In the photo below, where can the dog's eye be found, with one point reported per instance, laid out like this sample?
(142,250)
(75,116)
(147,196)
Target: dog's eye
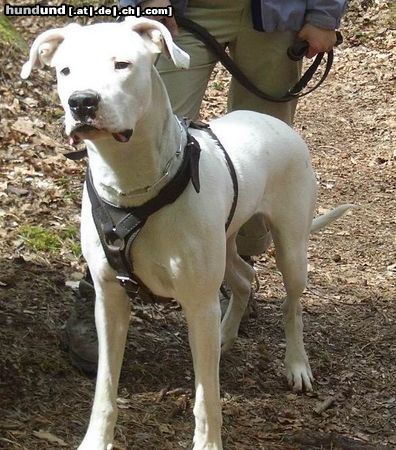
(65,71)
(119,65)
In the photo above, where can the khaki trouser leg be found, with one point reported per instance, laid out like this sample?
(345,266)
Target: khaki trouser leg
(186,88)
(263,59)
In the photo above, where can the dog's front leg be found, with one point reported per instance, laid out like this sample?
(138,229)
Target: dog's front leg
(203,319)
(112,310)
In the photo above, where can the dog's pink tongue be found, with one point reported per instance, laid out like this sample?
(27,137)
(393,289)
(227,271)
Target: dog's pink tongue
(74,140)
(122,137)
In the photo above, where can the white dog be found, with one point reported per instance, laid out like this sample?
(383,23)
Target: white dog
(110,89)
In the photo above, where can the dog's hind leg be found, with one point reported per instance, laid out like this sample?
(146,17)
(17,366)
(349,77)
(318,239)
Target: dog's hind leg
(238,276)
(203,319)
(112,311)
(291,257)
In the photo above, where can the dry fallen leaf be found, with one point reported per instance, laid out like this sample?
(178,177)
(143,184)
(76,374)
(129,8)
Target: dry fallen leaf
(24,125)
(45,140)
(49,437)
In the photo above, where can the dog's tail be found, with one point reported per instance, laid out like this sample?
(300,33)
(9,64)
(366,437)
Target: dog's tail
(322,221)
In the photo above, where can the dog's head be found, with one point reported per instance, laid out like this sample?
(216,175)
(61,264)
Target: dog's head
(104,72)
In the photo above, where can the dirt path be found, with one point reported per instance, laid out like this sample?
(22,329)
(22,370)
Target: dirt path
(349,308)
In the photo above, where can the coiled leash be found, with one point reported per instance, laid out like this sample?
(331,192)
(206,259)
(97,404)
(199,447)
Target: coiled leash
(296,52)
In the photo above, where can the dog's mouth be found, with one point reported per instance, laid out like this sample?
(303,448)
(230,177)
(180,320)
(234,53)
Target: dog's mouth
(123,136)
(88,131)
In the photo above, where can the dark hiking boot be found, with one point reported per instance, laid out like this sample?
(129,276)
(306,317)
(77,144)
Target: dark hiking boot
(80,338)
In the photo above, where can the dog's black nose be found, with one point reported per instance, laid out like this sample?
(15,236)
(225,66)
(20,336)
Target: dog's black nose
(84,104)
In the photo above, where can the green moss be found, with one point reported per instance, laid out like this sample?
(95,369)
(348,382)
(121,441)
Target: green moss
(9,35)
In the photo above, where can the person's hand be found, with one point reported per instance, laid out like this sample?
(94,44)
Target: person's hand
(169,22)
(319,39)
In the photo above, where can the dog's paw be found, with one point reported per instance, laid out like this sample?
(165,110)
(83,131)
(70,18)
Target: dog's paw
(229,334)
(85,445)
(204,445)
(227,342)
(299,374)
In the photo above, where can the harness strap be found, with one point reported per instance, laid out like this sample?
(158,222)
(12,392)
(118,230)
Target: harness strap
(119,227)
(293,93)
(204,126)
(189,169)
(113,246)
(76,154)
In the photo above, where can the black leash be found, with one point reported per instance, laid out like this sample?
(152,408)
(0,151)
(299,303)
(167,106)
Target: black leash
(296,52)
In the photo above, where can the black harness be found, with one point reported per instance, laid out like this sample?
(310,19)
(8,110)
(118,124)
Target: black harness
(119,227)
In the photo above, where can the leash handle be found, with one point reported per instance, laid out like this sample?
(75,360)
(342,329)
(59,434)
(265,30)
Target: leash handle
(218,50)
(299,49)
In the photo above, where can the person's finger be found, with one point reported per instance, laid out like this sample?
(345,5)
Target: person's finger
(312,51)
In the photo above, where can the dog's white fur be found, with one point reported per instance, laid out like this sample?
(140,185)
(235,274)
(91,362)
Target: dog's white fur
(182,251)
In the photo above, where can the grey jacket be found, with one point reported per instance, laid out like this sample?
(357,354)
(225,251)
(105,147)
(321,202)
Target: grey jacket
(283,15)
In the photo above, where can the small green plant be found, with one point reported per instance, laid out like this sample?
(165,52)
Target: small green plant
(71,241)
(69,232)
(69,190)
(218,85)
(39,239)
(75,248)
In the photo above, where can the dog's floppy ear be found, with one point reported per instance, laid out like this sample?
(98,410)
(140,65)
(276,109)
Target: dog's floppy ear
(158,38)
(44,48)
